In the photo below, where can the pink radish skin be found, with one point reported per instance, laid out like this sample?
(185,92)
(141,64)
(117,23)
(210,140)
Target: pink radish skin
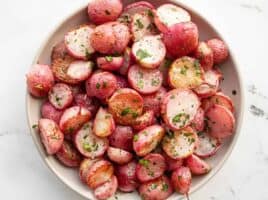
(110,63)
(146,140)
(205,56)
(172,164)
(84,168)
(126,175)
(220,99)
(68,155)
(60,96)
(88,144)
(150,167)
(48,111)
(128,61)
(100,172)
(119,156)
(208,146)
(80,70)
(181,39)
(186,103)
(197,165)
(221,122)
(73,118)
(143,121)
(198,122)
(101,11)
(39,80)
(159,189)
(149,52)
(121,82)
(122,138)
(51,136)
(181,180)
(164,67)
(104,124)
(145,81)
(219,49)
(101,85)
(167,15)
(153,101)
(106,190)
(77,42)
(90,103)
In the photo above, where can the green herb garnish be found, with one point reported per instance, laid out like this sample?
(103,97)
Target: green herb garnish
(142,54)
(164,187)
(109,58)
(98,85)
(125,111)
(34,126)
(135,138)
(139,24)
(144,162)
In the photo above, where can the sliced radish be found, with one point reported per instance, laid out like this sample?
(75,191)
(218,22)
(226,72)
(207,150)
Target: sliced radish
(51,136)
(150,167)
(128,61)
(198,122)
(186,103)
(173,164)
(150,51)
(168,15)
(78,42)
(60,96)
(121,82)
(73,118)
(80,70)
(110,63)
(119,156)
(197,165)
(220,99)
(211,83)
(88,144)
(142,24)
(106,190)
(125,105)
(84,168)
(220,122)
(185,72)
(90,103)
(207,146)
(131,9)
(145,81)
(68,155)
(48,111)
(104,124)
(180,144)
(99,173)
(147,139)
(205,55)
(145,120)
(181,180)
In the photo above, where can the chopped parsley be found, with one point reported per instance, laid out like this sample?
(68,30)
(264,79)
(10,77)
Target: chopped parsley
(181,117)
(172,96)
(34,126)
(88,55)
(142,54)
(184,70)
(107,116)
(104,84)
(109,58)
(124,19)
(98,85)
(151,27)
(70,130)
(153,186)
(140,83)
(150,13)
(197,68)
(125,111)
(167,63)
(107,12)
(55,137)
(134,114)
(88,147)
(135,138)
(170,134)
(164,187)
(155,82)
(144,162)
(139,24)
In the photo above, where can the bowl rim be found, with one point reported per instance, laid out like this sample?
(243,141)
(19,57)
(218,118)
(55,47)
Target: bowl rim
(239,122)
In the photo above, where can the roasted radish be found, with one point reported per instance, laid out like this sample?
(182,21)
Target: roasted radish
(219,49)
(205,55)
(143,121)
(51,135)
(110,63)
(181,180)
(88,144)
(80,70)
(48,111)
(103,124)
(197,165)
(119,156)
(149,51)
(107,189)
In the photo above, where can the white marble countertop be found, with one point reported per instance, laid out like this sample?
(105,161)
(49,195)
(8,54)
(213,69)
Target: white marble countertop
(25,24)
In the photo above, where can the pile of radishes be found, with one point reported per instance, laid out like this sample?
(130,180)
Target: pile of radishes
(134,100)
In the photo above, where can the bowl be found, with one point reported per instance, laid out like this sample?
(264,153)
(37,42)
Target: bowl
(232,82)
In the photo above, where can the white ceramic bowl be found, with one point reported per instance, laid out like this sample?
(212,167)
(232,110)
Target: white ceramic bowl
(232,81)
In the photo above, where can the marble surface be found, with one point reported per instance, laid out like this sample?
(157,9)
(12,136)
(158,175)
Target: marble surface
(25,24)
